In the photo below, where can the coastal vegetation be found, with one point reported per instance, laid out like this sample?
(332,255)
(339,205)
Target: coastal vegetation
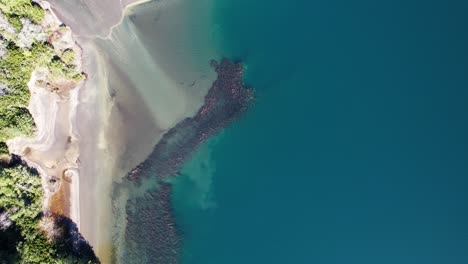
(22,235)
(16,9)
(15,72)
(60,69)
(25,229)
(3,149)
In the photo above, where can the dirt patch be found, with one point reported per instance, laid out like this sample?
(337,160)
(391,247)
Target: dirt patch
(60,199)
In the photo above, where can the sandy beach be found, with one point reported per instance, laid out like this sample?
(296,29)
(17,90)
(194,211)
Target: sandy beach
(142,79)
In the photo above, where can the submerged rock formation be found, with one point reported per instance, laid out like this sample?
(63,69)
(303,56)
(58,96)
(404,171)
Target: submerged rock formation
(151,232)
(152,228)
(225,101)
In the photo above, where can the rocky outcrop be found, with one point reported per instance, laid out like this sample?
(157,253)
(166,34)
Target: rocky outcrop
(3,89)
(30,33)
(6,29)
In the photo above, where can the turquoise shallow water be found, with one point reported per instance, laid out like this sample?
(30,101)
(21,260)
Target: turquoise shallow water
(356,150)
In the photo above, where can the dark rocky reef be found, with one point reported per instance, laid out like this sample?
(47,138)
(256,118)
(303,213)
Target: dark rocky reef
(151,224)
(226,100)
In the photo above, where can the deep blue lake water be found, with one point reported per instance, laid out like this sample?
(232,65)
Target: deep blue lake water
(356,150)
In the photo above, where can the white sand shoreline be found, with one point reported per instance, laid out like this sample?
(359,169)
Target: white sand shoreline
(136,90)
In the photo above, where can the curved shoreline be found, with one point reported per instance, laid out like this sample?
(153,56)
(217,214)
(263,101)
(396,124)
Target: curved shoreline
(121,112)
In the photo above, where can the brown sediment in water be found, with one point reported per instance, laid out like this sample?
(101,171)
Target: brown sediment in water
(151,233)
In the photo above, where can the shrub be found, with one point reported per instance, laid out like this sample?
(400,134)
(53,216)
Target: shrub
(68,56)
(60,70)
(22,8)
(3,148)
